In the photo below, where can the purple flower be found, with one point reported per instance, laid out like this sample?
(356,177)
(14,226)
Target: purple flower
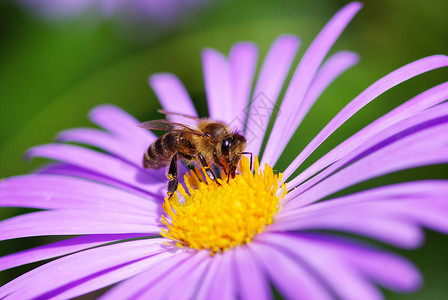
(164,12)
(114,206)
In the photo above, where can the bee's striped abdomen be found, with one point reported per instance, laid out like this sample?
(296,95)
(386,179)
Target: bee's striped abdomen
(161,151)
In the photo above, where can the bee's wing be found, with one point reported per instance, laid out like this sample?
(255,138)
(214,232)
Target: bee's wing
(178,114)
(165,125)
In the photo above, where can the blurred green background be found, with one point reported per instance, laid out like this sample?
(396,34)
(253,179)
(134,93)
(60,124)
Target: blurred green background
(53,72)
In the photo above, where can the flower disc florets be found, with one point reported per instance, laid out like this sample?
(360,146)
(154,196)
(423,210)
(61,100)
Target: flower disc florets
(219,217)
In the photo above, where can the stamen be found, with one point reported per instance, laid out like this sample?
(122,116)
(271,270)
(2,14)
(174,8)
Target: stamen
(219,216)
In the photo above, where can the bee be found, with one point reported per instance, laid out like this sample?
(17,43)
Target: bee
(208,143)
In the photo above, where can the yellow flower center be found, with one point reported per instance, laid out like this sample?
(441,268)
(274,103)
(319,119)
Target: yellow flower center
(219,217)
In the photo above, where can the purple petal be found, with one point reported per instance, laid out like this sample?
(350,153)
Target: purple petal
(205,289)
(327,73)
(61,192)
(427,147)
(243,62)
(394,232)
(162,287)
(172,95)
(430,212)
(150,181)
(218,87)
(398,76)
(120,123)
(385,268)
(110,276)
(303,78)
(423,190)
(130,288)
(272,76)
(100,139)
(49,277)
(348,267)
(410,108)
(337,274)
(190,282)
(409,129)
(81,173)
(287,274)
(61,248)
(388,270)
(433,216)
(251,282)
(74,222)
(224,283)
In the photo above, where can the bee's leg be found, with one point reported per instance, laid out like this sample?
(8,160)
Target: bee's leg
(218,162)
(172,176)
(232,167)
(209,171)
(186,157)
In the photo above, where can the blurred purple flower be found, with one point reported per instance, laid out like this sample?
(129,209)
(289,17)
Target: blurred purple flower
(164,12)
(115,206)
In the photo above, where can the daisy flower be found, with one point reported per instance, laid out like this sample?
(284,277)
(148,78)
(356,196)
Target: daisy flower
(260,229)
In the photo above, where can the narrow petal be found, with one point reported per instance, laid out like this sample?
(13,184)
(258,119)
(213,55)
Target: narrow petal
(172,95)
(60,248)
(69,170)
(387,82)
(304,76)
(61,192)
(75,222)
(407,110)
(161,288)
(131,288)
(190,283)
(224,284)
(422,207)
(100,139)
(243,62)
(327,73)
(433,213)
(48,277)
(337,274)
(251,282)
(385,268)
(427,147)
(272,76)
(218,86)
(120,123)
(348,267)
(150,181)
(110,276)
(205,289)
(287,274)
(394,232)
(429,119)
(424,190)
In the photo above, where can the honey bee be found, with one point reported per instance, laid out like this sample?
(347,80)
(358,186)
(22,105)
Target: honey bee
(209,143)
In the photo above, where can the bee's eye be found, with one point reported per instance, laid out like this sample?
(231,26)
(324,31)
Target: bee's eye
(225,147)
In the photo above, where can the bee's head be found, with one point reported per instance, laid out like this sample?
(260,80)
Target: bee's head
(231,150)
